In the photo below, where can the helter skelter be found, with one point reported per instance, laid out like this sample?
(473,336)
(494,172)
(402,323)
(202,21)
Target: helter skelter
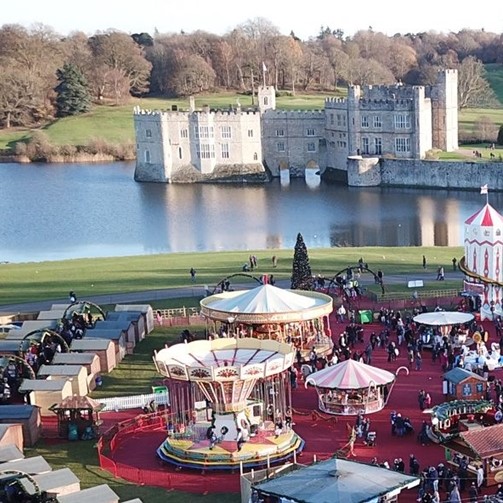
(231,403)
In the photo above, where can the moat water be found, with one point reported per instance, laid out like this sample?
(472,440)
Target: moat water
(65,211)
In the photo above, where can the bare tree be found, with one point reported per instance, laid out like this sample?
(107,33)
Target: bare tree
(473,88)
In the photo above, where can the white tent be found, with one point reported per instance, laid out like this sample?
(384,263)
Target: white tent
(442,318)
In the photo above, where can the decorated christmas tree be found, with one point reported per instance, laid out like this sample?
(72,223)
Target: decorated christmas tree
(302,278)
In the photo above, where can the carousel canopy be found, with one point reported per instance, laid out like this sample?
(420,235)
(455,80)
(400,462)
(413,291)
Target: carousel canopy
(266,303)
(349,374)
(224,359)
(441,318)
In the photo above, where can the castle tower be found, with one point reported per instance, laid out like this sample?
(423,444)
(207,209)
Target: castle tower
(482,262)
(266,98)
(354,120)
(444,108)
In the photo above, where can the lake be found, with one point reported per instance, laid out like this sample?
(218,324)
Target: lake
(65,211)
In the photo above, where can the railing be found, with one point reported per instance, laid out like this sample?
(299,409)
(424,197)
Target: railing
(133,401)
(181,316)
(452,292)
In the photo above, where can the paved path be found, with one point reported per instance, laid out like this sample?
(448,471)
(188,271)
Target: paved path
(197,290)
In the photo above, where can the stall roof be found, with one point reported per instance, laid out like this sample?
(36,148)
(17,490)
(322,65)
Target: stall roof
(142,308)
(91,344)
(10,346)
(31,466)
(43,385)
(57,478)
(98,494)
(10,452)
(105,333)
(53,314)
(337,480)
(16,411)
(73,358)
(485,441)
(122,323)
(30,326)
(457,375)
(60,370)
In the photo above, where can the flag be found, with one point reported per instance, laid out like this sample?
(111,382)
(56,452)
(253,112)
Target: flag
(483,189)
(264,68)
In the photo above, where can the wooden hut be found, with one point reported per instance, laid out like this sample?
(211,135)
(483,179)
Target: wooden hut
(11,434)
(121,323)
(97,494)
(116,335)
(145,309)
(58,482)
(76,414)
(52,314)
(90,361)
(28,417)
(104,348)
(461,384)
(10,452)
(45,392)
(76,374)
(136,318)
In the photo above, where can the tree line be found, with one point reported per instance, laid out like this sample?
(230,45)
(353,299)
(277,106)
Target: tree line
(45,74)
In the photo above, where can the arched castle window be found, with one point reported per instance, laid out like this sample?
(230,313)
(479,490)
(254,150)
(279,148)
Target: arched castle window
(180,153)
(148,133)
(255,156)
(147,156)
(498,232)
(266,100)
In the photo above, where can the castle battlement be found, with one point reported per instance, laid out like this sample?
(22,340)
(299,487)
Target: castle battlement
(294,114)
(185,114)
(339,101)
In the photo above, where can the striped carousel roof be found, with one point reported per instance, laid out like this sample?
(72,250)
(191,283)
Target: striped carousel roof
(486,217)
(349,374)
(267,303)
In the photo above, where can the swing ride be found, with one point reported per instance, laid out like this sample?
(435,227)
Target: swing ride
(231,403)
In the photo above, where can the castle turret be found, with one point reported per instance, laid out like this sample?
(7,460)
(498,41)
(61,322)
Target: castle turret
(266,98)
(444,107)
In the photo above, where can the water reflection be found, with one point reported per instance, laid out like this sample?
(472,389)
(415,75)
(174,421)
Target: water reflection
(55,212)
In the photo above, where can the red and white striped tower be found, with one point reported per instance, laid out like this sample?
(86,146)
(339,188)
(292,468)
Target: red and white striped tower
(482,262)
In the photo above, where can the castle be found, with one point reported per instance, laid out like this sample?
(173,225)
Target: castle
(400,122)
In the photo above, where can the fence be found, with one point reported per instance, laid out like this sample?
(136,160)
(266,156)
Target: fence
(133,401)
(182,316)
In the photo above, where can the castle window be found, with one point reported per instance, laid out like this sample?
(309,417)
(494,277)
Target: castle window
(498,232)
(310,131)
(311,147)
(255,156)
(204,132)
(148,133)
(365,145)
(266,101)
(226,132)
(184,133)
(280,132)
(402,145)
(280,146)
(147,156)
(225,151)
(377,121)
(250,133)
(206,151)
(180,153)
(332,119)
(365,121)
(378,146)
(402,121)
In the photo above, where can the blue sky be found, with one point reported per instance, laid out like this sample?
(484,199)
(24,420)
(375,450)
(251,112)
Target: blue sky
(218,16)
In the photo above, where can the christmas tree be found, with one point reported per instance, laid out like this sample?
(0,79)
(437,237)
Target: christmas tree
(302,278)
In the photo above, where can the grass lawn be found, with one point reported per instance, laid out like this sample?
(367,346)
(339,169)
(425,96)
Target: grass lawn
(34,281)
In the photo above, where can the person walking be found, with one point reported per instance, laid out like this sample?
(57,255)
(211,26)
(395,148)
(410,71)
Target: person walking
(424,261)
(192,274)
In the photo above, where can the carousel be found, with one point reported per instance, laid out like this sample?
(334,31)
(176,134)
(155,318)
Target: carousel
(451,324)
(300,318)
(231,403)
(351,388)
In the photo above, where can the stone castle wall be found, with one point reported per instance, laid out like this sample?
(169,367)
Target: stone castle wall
(371,172)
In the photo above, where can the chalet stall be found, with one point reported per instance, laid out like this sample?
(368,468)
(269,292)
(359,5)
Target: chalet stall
(31,466)
(135,321)
(11,434)
(122,323)
(27,417)
(104,348)
(45,392)
(145,309)
(52,314)
(76,374)
(483,446)
(115,335)
(461,384)
(31,326)
(90,361)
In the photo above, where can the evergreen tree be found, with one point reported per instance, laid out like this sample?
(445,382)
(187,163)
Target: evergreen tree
(499,141)
(302,278)
(73,95)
